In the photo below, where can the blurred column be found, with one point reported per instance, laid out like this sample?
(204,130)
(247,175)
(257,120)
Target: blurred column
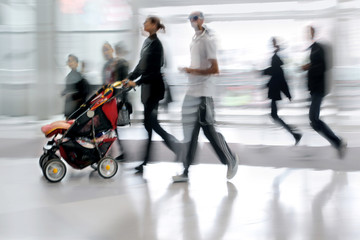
(347,61)
(43,99)
(135,53)
(135,33)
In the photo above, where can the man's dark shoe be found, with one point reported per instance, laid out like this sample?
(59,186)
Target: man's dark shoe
(342,149)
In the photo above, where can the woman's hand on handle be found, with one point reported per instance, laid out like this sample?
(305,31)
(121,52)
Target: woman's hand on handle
(128,83)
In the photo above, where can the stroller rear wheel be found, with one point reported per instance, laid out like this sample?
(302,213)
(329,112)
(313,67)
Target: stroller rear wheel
(43,158)
(54,170)
(107,167)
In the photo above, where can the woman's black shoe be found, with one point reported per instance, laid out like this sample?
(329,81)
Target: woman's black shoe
(297,137)
(121,157)
(140,168)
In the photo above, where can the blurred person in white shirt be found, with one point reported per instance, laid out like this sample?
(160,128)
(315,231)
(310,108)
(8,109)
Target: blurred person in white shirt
(198,106)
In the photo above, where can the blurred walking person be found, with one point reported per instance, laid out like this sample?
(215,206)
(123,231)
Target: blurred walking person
(109,69)
(316,85)
(76,87)
(110,74)
(121,72)
(198,106)
(122,65)
(276,85)
(152,86)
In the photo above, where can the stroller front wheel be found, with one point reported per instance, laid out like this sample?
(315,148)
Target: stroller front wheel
(107,167)
(54,170)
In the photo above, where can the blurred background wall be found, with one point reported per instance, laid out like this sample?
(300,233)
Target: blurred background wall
(36,37)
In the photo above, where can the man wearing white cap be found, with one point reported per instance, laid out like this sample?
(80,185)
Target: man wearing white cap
(198,106)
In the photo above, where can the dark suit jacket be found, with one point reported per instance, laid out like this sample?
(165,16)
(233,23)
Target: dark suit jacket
(108,72)
(76,91)
(121,69)
(316,73)
(277,82)
(149,70)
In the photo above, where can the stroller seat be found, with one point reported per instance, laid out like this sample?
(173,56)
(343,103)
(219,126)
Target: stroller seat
(57,127)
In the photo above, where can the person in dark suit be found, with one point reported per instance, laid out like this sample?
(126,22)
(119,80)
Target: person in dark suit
(316,85)
(276,85)
(76,89)
(152,85)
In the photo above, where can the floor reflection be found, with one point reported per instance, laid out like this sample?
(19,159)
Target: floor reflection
(323,208)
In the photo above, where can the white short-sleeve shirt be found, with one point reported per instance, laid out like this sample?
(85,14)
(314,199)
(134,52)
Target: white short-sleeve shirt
(202,49)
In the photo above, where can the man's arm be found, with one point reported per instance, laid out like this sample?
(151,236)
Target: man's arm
(305,67)
(213,69)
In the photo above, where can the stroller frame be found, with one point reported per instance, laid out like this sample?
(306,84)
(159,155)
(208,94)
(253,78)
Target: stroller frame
(70,149)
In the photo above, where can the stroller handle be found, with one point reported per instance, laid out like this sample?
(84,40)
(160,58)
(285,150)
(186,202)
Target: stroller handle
(87,104)
(100,91)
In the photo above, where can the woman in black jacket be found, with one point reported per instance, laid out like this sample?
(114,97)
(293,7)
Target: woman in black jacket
(276,85)
(152,85)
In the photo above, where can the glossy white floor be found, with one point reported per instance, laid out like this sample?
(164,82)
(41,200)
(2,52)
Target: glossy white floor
(259,203)
(280,193)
